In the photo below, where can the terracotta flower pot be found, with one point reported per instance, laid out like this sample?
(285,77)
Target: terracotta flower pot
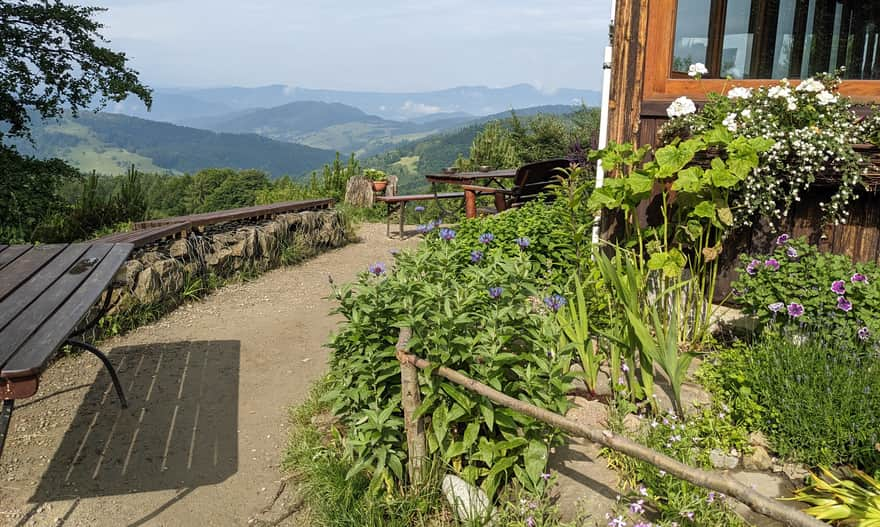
(379,186)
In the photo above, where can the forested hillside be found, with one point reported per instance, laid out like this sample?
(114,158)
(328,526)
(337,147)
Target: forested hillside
(110,143)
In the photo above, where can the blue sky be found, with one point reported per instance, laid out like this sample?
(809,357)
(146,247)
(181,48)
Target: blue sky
(378,45)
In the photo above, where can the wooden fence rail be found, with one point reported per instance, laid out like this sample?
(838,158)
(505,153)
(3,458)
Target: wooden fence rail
(702,478)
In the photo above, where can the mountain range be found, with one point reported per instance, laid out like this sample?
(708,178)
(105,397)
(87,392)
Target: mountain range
(182,105)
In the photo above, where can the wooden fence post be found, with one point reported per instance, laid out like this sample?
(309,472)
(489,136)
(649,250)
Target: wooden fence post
(411,399)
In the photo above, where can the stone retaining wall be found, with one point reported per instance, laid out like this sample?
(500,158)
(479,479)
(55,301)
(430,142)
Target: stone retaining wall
(163,274)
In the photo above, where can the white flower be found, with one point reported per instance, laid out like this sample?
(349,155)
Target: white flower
(739,93)
(730,122)
(810,85)
(825,97)
(779,92)
(792,104)
(680,107)
(746,113)
(697,69)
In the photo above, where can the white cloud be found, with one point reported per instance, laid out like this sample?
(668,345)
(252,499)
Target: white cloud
(417,108)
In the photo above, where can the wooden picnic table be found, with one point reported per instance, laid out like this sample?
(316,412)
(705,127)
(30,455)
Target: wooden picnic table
(488,178)
(46,291)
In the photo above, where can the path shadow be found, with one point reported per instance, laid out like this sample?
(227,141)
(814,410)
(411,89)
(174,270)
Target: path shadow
(179,431)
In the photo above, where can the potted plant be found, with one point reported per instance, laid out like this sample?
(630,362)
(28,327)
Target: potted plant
(378,177)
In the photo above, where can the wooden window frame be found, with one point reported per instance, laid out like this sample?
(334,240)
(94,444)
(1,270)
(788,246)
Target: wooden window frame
(663,85)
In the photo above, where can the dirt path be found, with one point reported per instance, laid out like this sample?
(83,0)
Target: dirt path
(208,386)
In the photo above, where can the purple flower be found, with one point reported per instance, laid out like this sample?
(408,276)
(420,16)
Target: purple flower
(782,239)
(637,507)
(711,497)
(554,302)
(795,310)
(791,252)
(617,522)
(687,514)
(864,333)
(859,277)
(523,242)
(545,476)
(486,237)
(476,256)
(447,234)
(422,229)
(530,522)
(495,292)
(377,268)
(624,368)
(838,287)
(776,307)
(752,268)
(843,304)
(772,263)
(420,208)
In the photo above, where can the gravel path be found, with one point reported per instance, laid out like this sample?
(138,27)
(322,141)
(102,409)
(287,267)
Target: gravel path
(208,385)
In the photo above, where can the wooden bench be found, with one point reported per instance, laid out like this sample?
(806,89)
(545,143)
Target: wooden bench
(45,293)
(398,204)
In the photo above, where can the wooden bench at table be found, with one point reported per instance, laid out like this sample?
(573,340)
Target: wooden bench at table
(398,204)
(530,183)
(45,293)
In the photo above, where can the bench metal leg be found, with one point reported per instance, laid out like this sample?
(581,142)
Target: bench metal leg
(110,369)
(388,210)
(5,417)
(402,210)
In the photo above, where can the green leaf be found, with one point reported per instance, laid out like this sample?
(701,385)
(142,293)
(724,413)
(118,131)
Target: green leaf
(705,209)
(488,412)
(535,460)
(689,180)
(470,434)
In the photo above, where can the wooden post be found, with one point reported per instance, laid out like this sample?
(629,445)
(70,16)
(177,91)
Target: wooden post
(470,203)
(411,399)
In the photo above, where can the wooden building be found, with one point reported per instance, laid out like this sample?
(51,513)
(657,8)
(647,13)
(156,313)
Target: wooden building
(754,42)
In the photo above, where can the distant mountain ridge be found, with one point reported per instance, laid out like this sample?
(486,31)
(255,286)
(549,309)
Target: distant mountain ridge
(109,143)
(184,104)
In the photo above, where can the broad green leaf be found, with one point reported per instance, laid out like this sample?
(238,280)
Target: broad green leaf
(705,209)
(535,460)
(689,180)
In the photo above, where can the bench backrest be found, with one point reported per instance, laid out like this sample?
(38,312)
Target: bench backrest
(534,178)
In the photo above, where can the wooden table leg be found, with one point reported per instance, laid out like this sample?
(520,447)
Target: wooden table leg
(402,210)
(388,210)
(470,204)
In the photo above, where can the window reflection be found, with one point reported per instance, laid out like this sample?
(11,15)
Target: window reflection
(760,39)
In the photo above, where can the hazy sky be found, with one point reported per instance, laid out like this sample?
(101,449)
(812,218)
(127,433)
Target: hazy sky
(387,45)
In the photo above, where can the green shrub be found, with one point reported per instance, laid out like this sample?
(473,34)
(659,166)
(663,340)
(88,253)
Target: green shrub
(821,394)
(503,337)
(797,274)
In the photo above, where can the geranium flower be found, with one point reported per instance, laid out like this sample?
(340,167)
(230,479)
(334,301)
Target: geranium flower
(697,69)
(681,107)
(838,287)
(825,98)
(810,85)
(843,304)
(795,310)
(739,93)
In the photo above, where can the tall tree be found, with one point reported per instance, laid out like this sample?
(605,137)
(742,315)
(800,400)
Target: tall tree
(52,59)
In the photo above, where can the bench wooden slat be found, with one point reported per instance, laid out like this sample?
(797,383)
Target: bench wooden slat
(142,237)
(11,253)
(18,271)
(419,197)
(51,294)
(34,354)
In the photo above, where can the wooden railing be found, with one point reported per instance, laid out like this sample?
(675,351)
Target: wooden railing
(415,430)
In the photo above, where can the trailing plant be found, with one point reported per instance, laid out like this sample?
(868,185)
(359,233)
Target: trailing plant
(798,284)
(854,500)
(374,174)
(810,128)
(482,316)
(821,394)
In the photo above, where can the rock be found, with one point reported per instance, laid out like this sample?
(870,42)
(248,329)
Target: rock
(469,503)
(759,439)
(632,423)
(128,273)
(796,472)
(588,413)
(147,287)
(724,460)
(759,459)
(150,257)
(180,248)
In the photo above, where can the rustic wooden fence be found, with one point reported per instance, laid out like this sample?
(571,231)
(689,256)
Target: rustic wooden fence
(417,449)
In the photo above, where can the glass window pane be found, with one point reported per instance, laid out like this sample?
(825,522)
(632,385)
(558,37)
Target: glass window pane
(772,39)
(691,34)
